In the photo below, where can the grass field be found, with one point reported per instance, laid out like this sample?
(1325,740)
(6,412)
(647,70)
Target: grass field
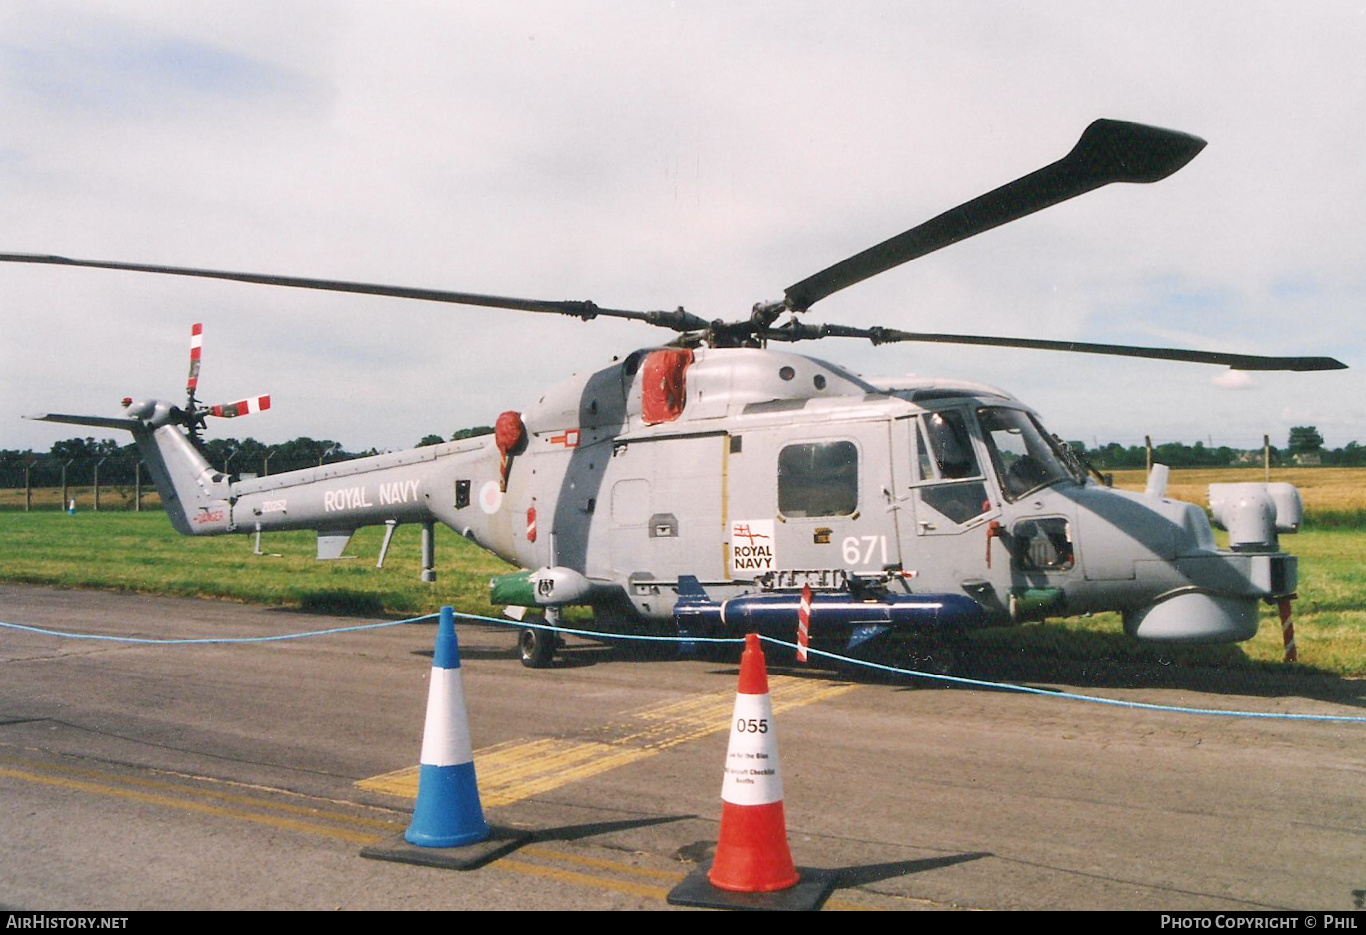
(1333,497)
(114,498)
(140,552)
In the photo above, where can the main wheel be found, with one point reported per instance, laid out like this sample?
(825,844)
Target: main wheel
(537,647)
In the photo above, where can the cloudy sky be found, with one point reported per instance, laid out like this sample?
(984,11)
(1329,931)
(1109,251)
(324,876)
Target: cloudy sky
(648,155)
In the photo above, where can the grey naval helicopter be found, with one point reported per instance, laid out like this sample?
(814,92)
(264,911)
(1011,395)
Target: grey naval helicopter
(706,486)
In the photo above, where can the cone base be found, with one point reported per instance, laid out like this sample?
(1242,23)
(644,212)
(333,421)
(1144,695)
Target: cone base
(447,813)
(500,841)
(752,855)
(807,896)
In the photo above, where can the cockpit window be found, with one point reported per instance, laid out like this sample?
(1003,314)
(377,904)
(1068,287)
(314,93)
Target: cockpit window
(950,475)
(1023,456)
(951,445)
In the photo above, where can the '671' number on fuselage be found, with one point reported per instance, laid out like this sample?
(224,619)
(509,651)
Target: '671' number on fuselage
(859,550)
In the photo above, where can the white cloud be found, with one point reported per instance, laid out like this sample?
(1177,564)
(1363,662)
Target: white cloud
(1234,380)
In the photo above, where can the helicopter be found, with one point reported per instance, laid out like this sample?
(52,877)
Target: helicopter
(713,485)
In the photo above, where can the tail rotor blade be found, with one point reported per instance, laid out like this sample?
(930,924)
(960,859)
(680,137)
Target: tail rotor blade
(242,407)
(196,347)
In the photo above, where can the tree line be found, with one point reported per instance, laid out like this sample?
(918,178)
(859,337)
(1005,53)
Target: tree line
(1304,441)
(116,464)
(80,458)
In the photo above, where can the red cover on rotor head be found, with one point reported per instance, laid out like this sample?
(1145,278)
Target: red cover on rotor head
(664,386)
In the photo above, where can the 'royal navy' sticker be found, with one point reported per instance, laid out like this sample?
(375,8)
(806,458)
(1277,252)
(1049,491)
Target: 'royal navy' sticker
(751,547)
(490,497)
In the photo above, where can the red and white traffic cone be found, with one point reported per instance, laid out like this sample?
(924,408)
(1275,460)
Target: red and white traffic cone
(752,855)
(753,867)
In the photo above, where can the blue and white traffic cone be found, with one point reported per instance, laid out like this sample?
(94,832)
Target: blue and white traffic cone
(448,828)
(448,813)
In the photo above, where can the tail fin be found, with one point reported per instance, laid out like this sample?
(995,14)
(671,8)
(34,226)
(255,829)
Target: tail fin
(194,495)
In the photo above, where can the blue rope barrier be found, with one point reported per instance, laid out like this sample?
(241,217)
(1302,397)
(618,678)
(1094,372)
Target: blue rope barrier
(598,635)
(976,683)
(215,639)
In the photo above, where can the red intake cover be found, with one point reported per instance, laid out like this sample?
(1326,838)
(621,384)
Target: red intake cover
(509,432)
(665,388)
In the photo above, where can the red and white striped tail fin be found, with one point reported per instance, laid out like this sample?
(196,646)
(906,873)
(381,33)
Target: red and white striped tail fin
(242,407)
(196,348)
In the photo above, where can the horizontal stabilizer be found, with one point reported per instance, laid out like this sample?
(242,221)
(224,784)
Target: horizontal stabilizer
(104,422)
(332,543)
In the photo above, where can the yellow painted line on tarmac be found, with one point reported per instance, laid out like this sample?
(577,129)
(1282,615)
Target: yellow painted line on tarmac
(672,878)
(676,722)
(202,792)
(189,805)
(600,864)
(583,879)
(40,775)
(401,782)
(519,769)
(836,905)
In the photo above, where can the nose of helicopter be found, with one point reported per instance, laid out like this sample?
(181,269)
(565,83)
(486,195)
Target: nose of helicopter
(1159,557)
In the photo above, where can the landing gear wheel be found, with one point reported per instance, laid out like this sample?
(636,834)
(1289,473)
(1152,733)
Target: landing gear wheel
(933,658)
(537,647)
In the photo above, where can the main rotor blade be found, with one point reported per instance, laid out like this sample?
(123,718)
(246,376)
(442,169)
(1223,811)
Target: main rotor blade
(677,320)
(1109,151)
(796,331)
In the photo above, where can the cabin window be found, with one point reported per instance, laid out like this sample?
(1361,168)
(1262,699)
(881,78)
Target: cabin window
(818,479)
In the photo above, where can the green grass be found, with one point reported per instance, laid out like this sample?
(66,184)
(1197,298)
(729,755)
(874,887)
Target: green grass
(140,552)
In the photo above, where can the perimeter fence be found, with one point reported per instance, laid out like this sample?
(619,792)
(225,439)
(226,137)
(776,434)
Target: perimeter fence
(117,482)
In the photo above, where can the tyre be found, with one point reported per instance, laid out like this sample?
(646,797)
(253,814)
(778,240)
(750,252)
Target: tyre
(537,648)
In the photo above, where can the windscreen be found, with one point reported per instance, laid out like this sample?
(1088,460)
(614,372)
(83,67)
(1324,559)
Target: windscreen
(1024,457)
